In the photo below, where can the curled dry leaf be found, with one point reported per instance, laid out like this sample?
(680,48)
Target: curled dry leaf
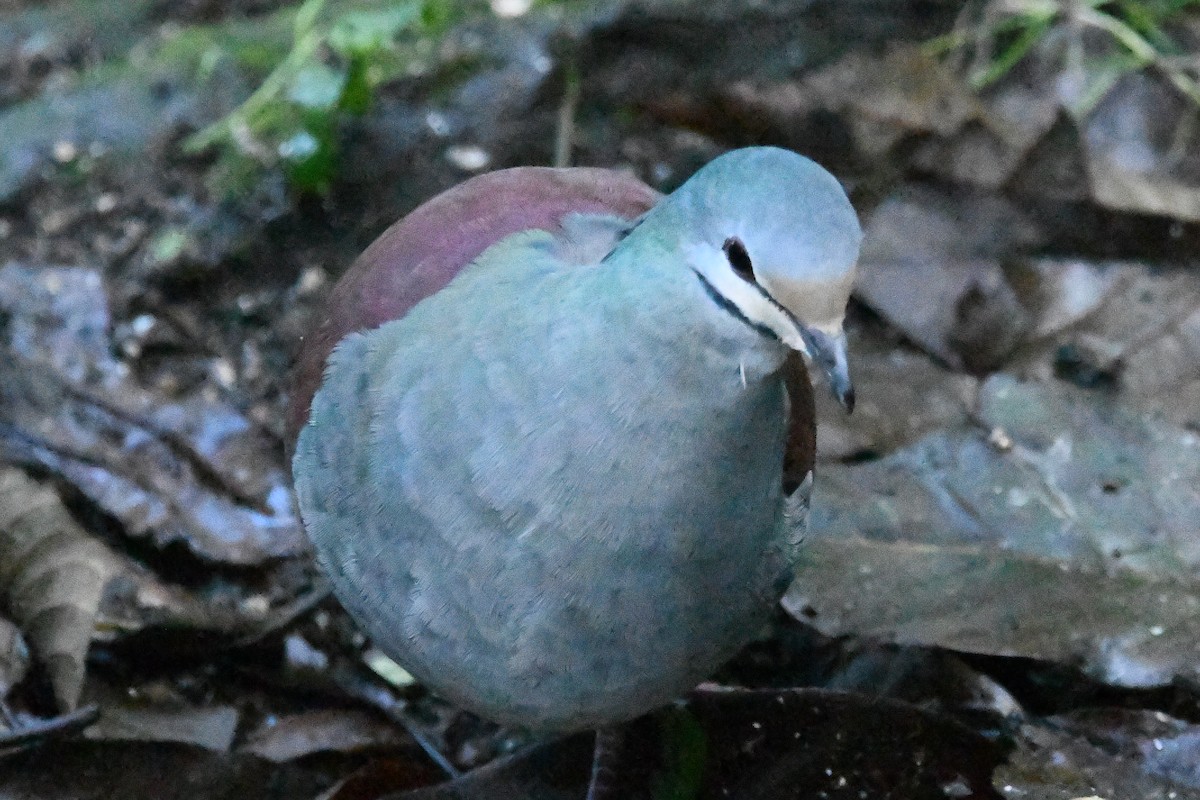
(188,469)
(65,588)
(977,301)
(52,576)
(968,292)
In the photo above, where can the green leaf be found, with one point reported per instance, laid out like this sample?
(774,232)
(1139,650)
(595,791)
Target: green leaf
(436,15)
(361,33)
(1145,21)
(309,158)
(306,18)
(1100,76)
(1016,51)
(1139,28)
(356,92)
(685,748)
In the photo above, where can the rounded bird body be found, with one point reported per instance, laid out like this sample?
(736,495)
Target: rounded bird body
(552,489)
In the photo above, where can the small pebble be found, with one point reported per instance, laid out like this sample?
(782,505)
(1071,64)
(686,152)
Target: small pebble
(311,280)
(1000,439)
(437,123)
(224,373)
(65,151)
(468,157)
(256,604)
(510,9)
(388,669)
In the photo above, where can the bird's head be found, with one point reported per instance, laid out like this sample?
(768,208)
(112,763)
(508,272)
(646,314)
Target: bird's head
(774,235)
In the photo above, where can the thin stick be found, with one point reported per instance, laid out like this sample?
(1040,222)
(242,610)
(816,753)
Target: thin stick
(354,683)
(565,135)
(605,761)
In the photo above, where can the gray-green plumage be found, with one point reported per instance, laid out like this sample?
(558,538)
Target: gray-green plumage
(552,491)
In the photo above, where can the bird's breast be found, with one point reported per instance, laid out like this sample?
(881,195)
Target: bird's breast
(549,531)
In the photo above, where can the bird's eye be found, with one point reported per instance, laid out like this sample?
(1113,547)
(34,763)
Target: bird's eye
(739,259)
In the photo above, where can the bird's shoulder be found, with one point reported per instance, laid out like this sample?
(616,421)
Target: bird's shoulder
(422,252)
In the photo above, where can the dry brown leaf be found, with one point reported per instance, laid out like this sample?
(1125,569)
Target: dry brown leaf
(208,727)
(323,731)
(883,99)
(1053,497)
(954,272)
(933,264)
(886,98)
(65,588)
(190,469)
(1142,339)
(52,575)
(1141,144)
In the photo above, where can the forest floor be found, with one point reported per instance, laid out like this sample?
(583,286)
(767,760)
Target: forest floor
(1000,592)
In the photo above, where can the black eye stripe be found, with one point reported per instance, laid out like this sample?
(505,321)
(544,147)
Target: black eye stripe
(739,259)
(727,305)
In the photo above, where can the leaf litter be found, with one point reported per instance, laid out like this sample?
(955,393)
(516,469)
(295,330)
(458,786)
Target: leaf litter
(1062,375)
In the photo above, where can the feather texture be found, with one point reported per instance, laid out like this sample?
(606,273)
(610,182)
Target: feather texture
(528,493)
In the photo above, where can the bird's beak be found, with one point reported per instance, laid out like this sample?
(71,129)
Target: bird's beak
(828,351)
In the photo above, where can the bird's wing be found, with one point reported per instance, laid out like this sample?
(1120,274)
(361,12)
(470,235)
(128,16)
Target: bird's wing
(331,470)
(587,238)
(421,253)
(384,470)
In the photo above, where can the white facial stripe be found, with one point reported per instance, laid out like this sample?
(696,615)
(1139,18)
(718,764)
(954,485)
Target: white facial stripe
(748,299)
